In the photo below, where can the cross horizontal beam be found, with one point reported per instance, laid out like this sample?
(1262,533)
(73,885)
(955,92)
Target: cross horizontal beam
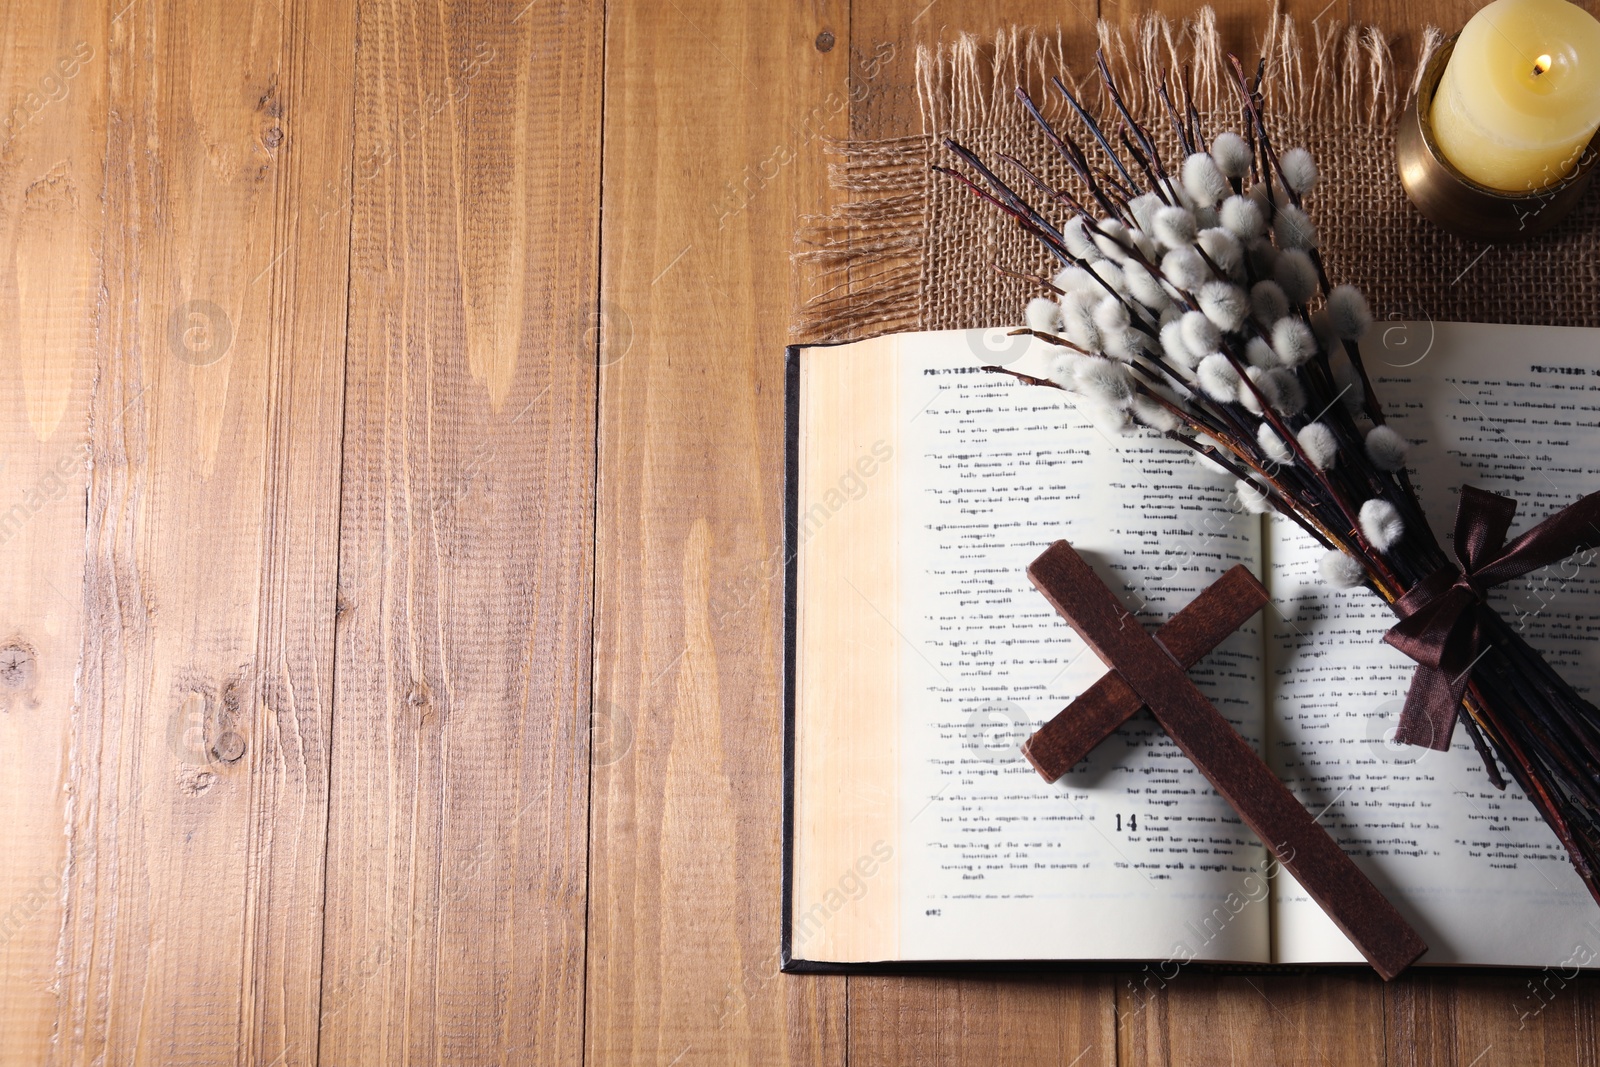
(1066,740)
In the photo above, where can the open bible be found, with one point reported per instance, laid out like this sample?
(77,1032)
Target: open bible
(920,658)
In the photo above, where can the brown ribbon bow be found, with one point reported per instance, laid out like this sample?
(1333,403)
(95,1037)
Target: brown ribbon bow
(1441,619)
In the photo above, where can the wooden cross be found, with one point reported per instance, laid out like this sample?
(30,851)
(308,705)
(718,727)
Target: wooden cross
(1151,671)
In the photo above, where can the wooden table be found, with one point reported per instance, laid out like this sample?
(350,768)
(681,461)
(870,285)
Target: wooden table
(391,432)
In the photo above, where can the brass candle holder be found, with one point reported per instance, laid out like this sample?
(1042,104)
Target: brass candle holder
(1454,201)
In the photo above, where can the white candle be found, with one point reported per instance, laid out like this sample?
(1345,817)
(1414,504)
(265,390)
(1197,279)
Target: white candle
(1520,96)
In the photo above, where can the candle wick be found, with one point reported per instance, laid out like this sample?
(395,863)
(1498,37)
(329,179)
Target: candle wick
(1541,65)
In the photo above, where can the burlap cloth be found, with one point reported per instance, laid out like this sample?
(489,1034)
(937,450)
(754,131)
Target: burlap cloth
(909,249)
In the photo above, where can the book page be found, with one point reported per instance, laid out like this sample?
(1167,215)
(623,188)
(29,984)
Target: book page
(1511,409)
(1132,856)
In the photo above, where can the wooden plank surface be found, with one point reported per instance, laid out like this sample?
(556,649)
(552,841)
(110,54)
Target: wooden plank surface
(714,122)
(455,924)
(715,110)
(53,78)
(197,778)
(405,687)
(1202,1019)
(951,1021)
(1543,1016)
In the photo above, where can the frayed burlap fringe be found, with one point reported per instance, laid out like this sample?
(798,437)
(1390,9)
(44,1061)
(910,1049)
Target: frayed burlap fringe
(909,249)
(867,253)
(1346,72)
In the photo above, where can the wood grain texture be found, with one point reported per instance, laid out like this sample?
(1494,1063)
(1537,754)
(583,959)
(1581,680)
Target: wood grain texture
(52,144)
(199,749)
(714,115)
(1202,1019)
(1545,1016)
(948,1022)
(308,585)
(455,925)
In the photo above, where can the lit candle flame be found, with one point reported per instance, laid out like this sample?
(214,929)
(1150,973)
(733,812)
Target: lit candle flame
(1541,65)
